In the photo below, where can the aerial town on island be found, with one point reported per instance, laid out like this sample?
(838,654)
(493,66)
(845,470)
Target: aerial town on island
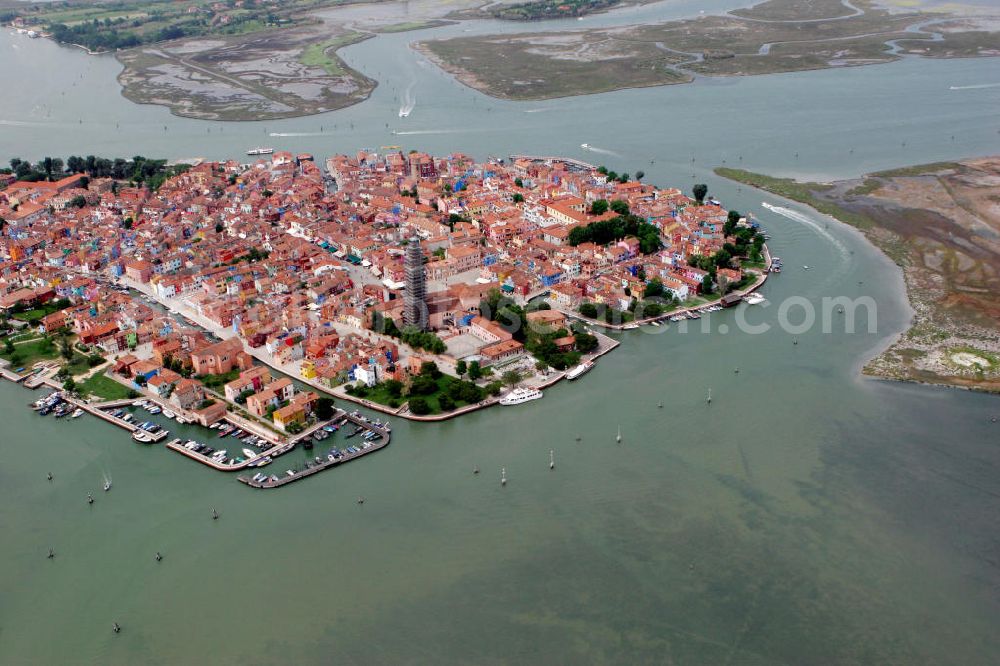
(420,286)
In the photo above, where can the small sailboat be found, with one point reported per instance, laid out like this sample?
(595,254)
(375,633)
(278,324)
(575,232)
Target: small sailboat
(90,498)
(107,485)
(618,437)
(475,470)
(215,514)
(116,627)
(660,404)
(158,556)
(503,476)
(361,500)
(52,553)
(49,476)
(709,398)
(737,370)
(552,459)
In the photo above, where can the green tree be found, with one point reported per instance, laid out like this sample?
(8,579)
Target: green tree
(619,207)
(586,342)
(639,175)
(461,368)
(599,207)
(66,349)
(445,403)
(511,378)
(324,408)
(706,284)
(475,372)
(699,191)
(69,385)
(419,406)
(588,310)
(653,289)
(517,198)
(729,228)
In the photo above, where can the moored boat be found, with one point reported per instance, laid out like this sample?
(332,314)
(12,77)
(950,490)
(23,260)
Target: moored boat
(579,370)
(520,395)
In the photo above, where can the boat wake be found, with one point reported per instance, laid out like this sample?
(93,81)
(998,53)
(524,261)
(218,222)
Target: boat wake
(409,101)
(545,110)
(601,151)
(293,134)
(819,229)
(978,86)
(434,131)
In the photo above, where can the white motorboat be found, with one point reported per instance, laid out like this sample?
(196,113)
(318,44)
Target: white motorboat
(169,414)
(520,395)
(580,370)
(249,453)
(260,151)
(76,414)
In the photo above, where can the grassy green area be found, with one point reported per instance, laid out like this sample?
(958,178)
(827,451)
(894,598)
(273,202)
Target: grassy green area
(917,170)
(41,311)
(217,381)
(28,353)
(28,315)
(379,394)
(102,386)
(324,54)
(106,26)
(867,187)
(79,365)
(801,192)
(411,25)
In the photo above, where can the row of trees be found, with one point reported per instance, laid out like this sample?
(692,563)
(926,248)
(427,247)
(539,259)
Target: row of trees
(623,178)
(601,206)
(137,170)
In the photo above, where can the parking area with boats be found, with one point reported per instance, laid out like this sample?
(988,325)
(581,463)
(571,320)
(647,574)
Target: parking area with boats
(225,446)
(349,435)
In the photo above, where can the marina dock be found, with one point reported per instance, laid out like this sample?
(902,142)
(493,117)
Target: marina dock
(381,442)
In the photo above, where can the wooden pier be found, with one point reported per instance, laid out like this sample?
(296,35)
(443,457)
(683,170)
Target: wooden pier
(285,479)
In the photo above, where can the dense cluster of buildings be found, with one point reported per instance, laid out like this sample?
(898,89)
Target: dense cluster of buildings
(280,257)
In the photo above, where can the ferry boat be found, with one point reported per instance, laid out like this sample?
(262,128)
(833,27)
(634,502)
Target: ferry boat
(579,370)
(260,151)
(520,395)
(753,299)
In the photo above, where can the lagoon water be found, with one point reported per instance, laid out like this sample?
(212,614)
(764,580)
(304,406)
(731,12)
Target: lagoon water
(806,516)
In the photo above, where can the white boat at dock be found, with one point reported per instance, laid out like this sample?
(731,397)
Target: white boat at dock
(169,414)
(520,395)
(249,453)
(580,370)
(77,413)
(260,151)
